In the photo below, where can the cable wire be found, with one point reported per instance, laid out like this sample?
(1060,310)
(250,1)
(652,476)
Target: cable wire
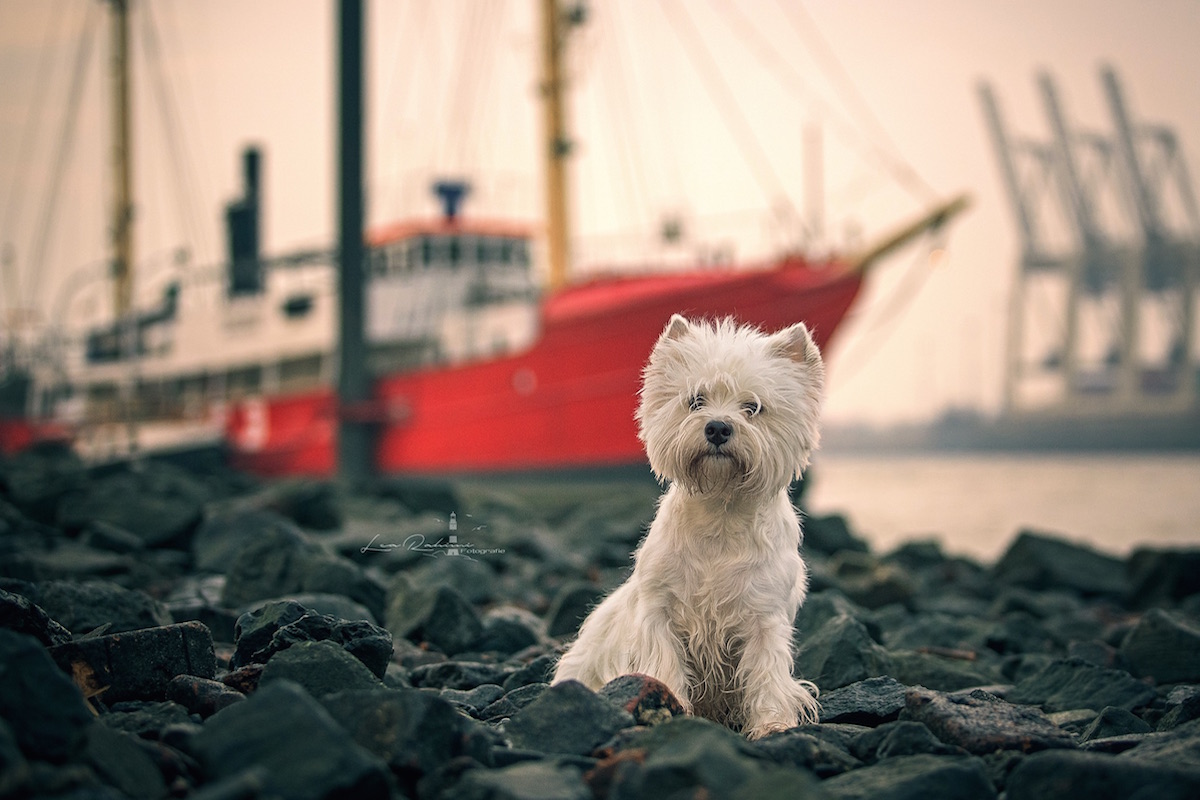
(902,171)
(173,131)
(726,101)
(29,140)
(62,152)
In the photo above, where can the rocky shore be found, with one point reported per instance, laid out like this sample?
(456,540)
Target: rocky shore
(188,632)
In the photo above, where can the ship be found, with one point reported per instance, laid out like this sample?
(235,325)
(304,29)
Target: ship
(476,367)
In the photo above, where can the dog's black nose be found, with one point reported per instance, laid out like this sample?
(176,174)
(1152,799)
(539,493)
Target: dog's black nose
(718,431)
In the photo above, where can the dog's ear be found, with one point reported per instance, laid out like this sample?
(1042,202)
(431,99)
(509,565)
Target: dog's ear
(677,328)
(797,344)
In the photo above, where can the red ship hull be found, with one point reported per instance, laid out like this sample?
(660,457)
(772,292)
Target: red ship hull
(565,403)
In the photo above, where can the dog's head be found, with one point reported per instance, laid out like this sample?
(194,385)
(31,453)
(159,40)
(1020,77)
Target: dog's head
(726,408)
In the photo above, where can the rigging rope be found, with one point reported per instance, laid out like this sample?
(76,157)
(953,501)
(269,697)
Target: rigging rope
(896,305)
(74,96)
(29,139)
(723,96)
(617,95)
(786,72)
(174,132)
(415,31)
(901,170)
(479,43)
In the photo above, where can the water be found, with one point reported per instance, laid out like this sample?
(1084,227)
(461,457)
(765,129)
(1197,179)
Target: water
(976,503)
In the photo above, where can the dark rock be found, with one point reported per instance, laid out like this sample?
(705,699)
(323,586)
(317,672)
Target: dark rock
(567,718)
(507,630)
(1178,747)
(1019,632)
(458,675)
(647,699)
(37,479)
(122,763)
(1038,605)
(869,702)
(513,701)
(14,769)
(831,534)
(1066,775)
(272,564)
(901,738)
(821,607)
(937,630)
(440,616)
(282,561)
(220,538)
(71,560)
(248,784)
(919,776)
(281,729)
(803,749)
(418,494)
(415,732)
(20,615)
(1066,684)
(311,504)
(780,784)
(536,780)
(83,607)
(839,653)
(320,667)
(1040,561)
(255,629)
(46,711)
(570,607)
(1183,706)
(981,723)
(473,701)
(918,554)
(105,536)
(138,664)
(148,720)
(1113,721)
(690,757)
(337,606)
(1074,721)
(277,626)
(945,673)
(474,579)
(1162,577)
(201,696)
(539,670)
(1164,647)
(1115,745)
(244,679)
(871,583)
(1102,654)
(331,574)
(160,504)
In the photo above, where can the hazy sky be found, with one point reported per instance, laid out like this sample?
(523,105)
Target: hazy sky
(452,91)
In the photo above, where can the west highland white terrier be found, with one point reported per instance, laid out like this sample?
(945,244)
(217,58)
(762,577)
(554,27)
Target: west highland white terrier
(728,416)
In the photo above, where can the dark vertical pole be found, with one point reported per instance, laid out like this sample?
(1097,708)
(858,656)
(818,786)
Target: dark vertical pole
(354,436)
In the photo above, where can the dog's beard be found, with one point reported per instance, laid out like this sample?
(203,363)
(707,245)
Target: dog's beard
(715,471)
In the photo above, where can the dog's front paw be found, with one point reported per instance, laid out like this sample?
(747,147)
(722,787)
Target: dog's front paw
(766,728)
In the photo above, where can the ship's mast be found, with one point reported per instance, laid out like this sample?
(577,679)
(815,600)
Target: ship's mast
(122,211)
(556,145)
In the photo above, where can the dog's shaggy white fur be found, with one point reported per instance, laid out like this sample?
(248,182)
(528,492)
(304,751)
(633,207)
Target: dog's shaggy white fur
(729,417)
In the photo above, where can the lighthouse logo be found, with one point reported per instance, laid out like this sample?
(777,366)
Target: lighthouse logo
(447,545)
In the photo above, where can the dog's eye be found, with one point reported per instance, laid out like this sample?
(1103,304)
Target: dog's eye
(752,408)
(696,402)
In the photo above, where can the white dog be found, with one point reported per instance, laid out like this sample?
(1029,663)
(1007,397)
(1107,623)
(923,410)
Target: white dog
(729,417)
